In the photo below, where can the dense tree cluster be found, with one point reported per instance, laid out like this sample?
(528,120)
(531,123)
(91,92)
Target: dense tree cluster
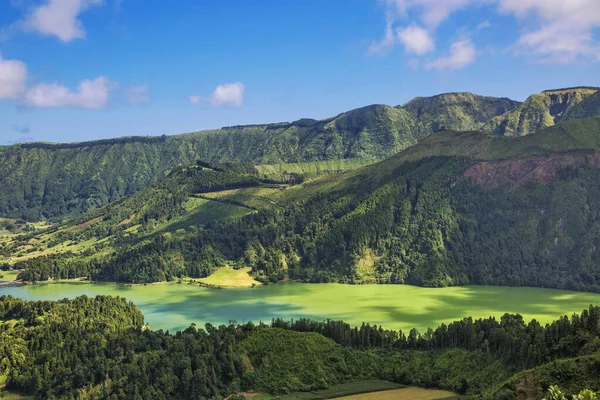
(418,222)
(99,348)
(516,343)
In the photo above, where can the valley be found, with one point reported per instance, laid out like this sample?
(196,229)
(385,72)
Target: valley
(456,237)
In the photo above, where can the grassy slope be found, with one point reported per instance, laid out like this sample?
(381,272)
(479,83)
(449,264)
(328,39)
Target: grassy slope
(228,277)
(361,199)
(411,393)
(144,215)
(344,389)
(313,169)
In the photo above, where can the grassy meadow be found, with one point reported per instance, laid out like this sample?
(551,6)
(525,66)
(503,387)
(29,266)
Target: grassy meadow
(410,393)
(228,277)
(9,275)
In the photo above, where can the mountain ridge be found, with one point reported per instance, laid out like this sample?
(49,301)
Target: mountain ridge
(72,178)
(540,111)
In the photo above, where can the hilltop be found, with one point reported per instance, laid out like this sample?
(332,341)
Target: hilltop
(544,110)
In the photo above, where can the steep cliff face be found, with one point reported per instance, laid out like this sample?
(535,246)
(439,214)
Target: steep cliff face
(539,111)
(588,108)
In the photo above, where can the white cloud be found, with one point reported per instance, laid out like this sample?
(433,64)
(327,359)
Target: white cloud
(195,99)
(13,77)
(138,95)
(432,12)
(90,94)
(59,18)
(462,53)
(416,40)
(388,41)
(225,95)
(563,31)
(228,94)
(414,64)
(559,31)
(483,25)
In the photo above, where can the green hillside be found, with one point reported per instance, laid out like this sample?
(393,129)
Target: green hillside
(178,204)
(589,107)
(574,374)
(98,348)
(458,208)
(456,111)
(544,110)
(41,180)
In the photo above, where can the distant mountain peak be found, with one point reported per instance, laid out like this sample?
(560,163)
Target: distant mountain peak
(540,111)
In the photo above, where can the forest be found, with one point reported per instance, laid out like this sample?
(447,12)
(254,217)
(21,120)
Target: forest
(100,348)
(419,218)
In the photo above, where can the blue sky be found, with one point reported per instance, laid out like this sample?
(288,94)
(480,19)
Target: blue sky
(74,70)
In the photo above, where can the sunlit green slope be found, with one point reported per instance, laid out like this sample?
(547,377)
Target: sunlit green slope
(545,109)
(41,180)
(457,208)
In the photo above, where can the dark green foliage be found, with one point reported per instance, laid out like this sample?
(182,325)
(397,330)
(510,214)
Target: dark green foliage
(42,180)
(288,361)
(413,218)
(573,374)
(98,348)
(586,109)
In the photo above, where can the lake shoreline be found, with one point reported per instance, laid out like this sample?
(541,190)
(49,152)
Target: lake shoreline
(174,306)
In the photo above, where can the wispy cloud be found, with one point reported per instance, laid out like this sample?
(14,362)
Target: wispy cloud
(562,31)
(58,18)
(432,12)
(225,95)
(138,95)
(462,53)
(556,31)
(194,99)
(23,130)
(13,78)
(20,139)
(483,25)
(90,94)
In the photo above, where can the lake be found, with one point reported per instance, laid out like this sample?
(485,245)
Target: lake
(175,306)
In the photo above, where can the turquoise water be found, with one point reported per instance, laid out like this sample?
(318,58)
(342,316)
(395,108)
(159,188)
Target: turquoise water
(175,306)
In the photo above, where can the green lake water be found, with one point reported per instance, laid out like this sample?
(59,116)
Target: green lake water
(175,306)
